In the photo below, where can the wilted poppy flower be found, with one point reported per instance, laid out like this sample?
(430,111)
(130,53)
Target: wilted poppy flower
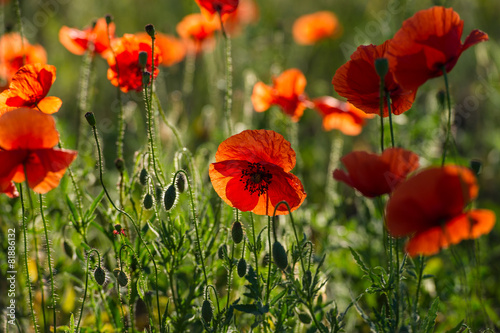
(374,175)
(311,28)
(252,173)
(342,116)
(78,41)
(221,7)
(129,74)
(27,138)
(12,50)
(29,87)
(246,13)
(172,49)
(287,92)
(426,42)
(429,207)
(198,32)
(358,81)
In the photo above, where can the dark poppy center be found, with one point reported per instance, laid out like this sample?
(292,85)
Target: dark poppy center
(256,178)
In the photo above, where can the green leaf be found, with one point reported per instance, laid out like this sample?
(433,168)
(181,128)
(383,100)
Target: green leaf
(72,209)
(93,207)
(142,286)
(247,308)
(359,261)
(430,321)
(457,328)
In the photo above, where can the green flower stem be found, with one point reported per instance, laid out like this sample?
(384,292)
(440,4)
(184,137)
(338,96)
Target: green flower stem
(86,72)
(38,270)
(49,260)
(94,129)
(388,98)
(151,136)
(422,260)
(229,80)
(230,276)
(28,281)
(336,148)
(381,105)
(207,295)
(254,247)
(86,284)
(17,9)
(195,221)
(448,127)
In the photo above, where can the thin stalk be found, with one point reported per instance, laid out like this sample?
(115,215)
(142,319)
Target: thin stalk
(335,154)
(151,134)
(38,271)
(94,129)
(448,127)
(83,90)
(229,80)
(86,284)
(421,259)
(49,260)
(396,248)
(268,284)
(255,251)
(17,9)
(381,105)
(28,281)
(388,98)
(229,277)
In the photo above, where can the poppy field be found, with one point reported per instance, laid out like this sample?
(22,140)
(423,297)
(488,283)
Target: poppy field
(249,166)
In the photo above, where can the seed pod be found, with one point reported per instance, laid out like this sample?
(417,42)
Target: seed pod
(143,58)
(242,267)
(169,197)
(381,67)
(221,251)
(237,232)
(90,118)
(181,182)
(122,278)
(148,201)
(68,249)
(207,313)
(305,318)
(143,177)
(150,29)
(159,193)
(279,255)
(99,275)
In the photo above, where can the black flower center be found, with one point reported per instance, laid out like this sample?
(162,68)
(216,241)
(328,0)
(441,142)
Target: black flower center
(256,178)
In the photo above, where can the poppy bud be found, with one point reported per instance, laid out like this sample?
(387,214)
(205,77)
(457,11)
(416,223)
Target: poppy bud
(221,251)
(148,201)
(158,192)
(150,29)
(145,78)
(99,275)
(90,118)
(207,313)
(476,166)
(305,318)
(143,177)
(68,249)
(122,278)
(143,59)
(181,182)
(94,23)
(265,260)
(279,255)
(237,232)
(242,267)
(169,197)
(109,19)
(382,67)
(119,164)
(118,227)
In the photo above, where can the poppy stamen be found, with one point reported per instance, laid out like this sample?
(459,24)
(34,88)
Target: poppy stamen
(256,178)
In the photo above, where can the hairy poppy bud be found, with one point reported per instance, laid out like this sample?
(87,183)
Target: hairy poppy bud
(122,278)
(382,67)
(148,201)
(143,59)
(181,182)
(207,313)
(99,275)
(279,255)
(146,76)
(159,193)
(143,177)
(109,19)
(68,249)
(237,232)
(242,267)
(169,197)
(221,251)
(119,164)
(90,118)
(150,29)
(476,166)
(305,318)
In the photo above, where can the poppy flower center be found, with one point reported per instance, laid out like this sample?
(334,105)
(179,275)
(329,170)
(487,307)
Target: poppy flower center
(256,178)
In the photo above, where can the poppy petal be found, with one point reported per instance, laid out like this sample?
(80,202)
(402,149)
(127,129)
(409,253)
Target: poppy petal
(465,226)
(262,97)
(285,187)
(476,36)
(257,146)
(74,40)
(11,161)
(25,128)
(311,28)
(49,105)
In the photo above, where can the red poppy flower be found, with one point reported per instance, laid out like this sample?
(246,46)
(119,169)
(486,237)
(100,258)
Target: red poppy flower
(342,116)
(129,74)
(8,188)
(78,41)
(221,7)
(287,92)
(252,173)
(29,87)
(27,138)
(426,42)
(12,50)
(198,32)
(358,81)
(429,207)
(172,49)
(374,175)
(246,13)
(311,28)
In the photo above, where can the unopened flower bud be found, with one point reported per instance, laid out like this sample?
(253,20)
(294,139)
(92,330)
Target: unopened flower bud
(169,197)
(181,182)
(148,201)
(242,267)
(143,177)
(207,313)
(382,67)
(222,251)
(237,232)
(119,164)
(146,76)
(99,275)
(143,59)
(476,166)
(279,255)
(122,278)
(90,118)
(150,29)
(109,19)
